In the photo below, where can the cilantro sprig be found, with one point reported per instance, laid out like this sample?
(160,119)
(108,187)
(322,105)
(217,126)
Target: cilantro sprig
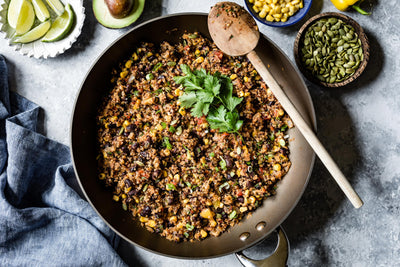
(210,95)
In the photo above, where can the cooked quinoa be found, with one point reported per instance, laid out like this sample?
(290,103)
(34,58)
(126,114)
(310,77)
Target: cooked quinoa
(173,173)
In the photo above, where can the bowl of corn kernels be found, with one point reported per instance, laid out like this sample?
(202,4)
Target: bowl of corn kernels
(278,13)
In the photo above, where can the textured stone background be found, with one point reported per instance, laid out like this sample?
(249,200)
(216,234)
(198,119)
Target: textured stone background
(359,125)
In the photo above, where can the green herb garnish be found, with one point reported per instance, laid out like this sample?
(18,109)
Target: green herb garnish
(149,76)
(166,143)
(171,63)
(222,163)
(136,93)
(210,95)
(163,125)
(212,154)
(157,66)
(223,186)
(170,187)
(172,129)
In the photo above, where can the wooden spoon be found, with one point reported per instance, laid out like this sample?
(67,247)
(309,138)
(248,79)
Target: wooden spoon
(236,33)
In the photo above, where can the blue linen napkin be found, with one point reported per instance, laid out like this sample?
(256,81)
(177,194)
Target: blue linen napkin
(43,221)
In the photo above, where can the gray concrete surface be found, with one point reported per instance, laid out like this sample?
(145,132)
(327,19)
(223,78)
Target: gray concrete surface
(359,125)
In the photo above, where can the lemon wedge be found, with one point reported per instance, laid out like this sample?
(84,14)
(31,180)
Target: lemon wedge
(13,11)
(34,34)
(41,11)
(61,26)
(57,6)
(26,18)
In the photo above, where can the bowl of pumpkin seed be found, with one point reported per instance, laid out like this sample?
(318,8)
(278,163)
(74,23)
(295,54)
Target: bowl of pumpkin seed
(331,49)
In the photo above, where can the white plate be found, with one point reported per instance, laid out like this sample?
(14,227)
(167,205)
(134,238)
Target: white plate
(38,49)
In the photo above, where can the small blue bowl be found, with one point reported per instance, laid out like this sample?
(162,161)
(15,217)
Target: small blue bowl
(291,20)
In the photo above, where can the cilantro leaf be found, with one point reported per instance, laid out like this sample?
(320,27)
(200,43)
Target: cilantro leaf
(188,99)
(186,70)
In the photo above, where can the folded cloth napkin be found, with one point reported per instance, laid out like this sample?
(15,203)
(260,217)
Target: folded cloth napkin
(43,221)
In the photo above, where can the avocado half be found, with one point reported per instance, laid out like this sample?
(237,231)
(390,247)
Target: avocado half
(103,16)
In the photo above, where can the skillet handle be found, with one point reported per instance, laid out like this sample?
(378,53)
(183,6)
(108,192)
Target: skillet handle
(277,259)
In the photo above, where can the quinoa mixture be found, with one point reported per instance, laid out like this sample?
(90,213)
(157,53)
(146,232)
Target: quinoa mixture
(170,170)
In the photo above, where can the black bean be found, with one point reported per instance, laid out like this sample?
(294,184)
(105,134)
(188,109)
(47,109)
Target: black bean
(156,174)
(170,200)
(133,192)
(134,145)
(133,169)
(224,215)
(143,155)
(128,183)
(151,58)
(160,77)
(240,199)
(146,211)
(125,149)
(229,162)
(130,128)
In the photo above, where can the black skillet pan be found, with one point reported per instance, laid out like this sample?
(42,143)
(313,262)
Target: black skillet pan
(83,143)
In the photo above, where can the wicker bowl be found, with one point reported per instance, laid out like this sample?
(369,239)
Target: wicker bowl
(361,35)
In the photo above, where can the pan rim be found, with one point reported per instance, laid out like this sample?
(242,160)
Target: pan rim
(245,246)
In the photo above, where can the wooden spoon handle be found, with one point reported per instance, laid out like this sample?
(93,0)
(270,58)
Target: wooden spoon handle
(305,129)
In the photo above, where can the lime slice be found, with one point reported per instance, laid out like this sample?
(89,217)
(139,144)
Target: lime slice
(57,6)
(13,11)
(41,11)
(61,26)
(34,34)
(26,18)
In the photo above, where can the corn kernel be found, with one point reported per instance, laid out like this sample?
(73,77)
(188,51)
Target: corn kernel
(123,74)
(149,54)
(151,223)
(135,57)
(116,198)
(197,52)
(233,76)
(246,79)
(159,127)
(243,209)
(173,219)
(252,200)
(143,219)
(246,94)
(123,196)
(240,94)
(128,64)
(126,123)
(182,111)
(281,112)
(180,225)
(102,176)
(206,141)
(185,201)
(165,173)
(209,203)
(177,92)
(203,233)
(200,60)
(127,189)
(277,167)
(213,223)
(207,213)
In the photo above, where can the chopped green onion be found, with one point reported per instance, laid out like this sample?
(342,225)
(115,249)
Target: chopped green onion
(282,142)
(170,187)
(136,93)
(171,63)
(189,227)
(192,36)
(188,184)
(124,206)
(157,66)
(179,130)
(272,137)
(121,131)
(163,125)
(222,163)
(232,215)
(223,186)
(283,128)
(149,76)
(186,234)
(145,187)
(212,155)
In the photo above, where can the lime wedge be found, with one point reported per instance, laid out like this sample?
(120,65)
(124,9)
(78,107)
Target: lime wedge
(57,6)
(26,18)
(13,11)
(34,34)
(61,26)
(41,11)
